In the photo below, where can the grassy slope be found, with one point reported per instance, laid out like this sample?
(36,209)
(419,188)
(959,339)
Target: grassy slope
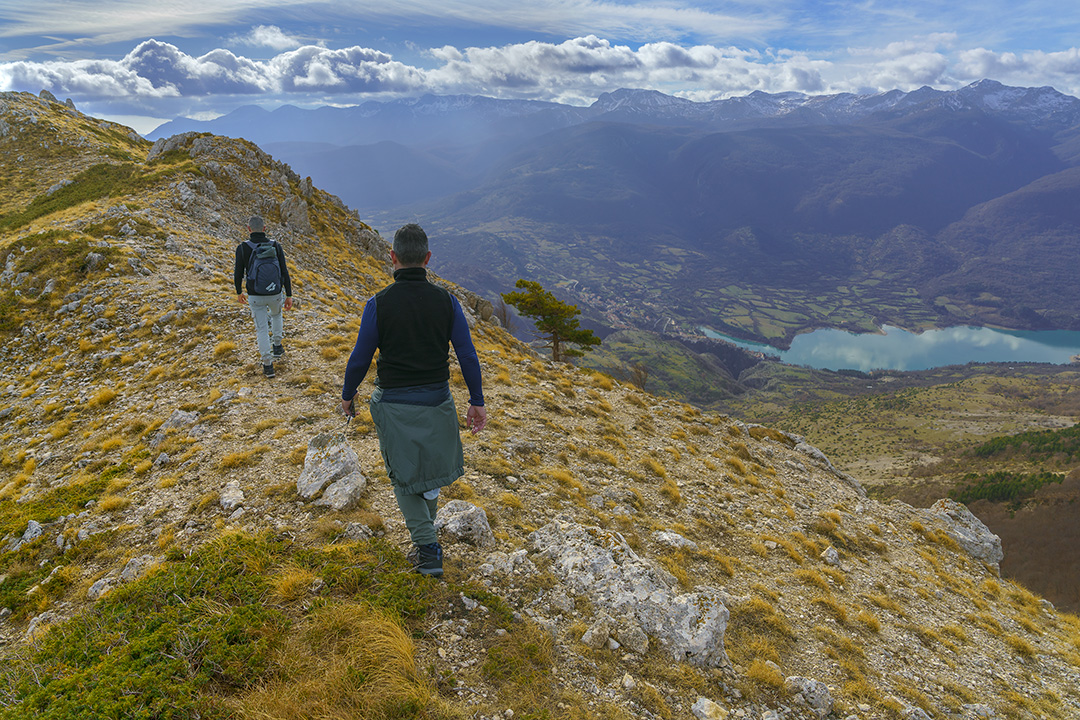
(917,442)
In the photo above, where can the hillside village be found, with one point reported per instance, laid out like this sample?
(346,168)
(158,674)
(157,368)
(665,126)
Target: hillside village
(610,554)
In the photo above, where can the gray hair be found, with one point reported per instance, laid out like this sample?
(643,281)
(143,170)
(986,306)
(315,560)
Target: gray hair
(411,245)
(255,224)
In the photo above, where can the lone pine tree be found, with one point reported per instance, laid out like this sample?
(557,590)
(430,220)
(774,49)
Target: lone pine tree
(555,321)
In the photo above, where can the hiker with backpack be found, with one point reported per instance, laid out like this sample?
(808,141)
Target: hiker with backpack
(413,323)
(261,269)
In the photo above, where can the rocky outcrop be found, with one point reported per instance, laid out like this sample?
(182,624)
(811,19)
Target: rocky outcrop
(968,531)
(599,564)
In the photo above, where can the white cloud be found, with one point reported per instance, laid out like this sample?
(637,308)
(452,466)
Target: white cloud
(270,36)
(577,70)
(905,48)
(158,69)
(585,67)
(88,78)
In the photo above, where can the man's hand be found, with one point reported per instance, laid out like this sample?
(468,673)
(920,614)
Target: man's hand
(476,418)
(242,299)
(288,303)
(348,407)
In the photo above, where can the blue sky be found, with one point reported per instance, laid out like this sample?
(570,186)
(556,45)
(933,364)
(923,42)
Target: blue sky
(145,61)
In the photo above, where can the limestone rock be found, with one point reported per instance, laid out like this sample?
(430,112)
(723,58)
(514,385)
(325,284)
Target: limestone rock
(101,587)
(465,521)
(968,531)
(330,460)
(294,213)
(598,633)
(913,712)
(357,531)
(137,567)
(33,531)
(674,540)
(830,556)
(816,454)
(40,621)
(344,493)
(630,634)
(816,694)
(232,496)
(178,419)
(506,564)
(706,709)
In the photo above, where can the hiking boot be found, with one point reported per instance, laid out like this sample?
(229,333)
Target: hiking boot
(426,559)
(278,351)
(268,370)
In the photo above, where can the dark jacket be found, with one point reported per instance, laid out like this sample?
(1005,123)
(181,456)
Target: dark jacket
(412,323)
(243,256)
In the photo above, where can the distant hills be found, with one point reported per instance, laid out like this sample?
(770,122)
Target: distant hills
(759,216)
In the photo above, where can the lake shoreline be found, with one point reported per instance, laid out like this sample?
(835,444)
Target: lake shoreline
(895,348)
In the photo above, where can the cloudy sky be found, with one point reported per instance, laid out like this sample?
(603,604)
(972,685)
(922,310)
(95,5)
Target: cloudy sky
(145,61)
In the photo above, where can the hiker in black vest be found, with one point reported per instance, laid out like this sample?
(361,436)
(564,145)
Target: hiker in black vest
(260,262)
(413,323)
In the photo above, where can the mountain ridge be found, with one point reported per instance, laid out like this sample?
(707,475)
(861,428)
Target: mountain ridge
(1044,106)
(785,202)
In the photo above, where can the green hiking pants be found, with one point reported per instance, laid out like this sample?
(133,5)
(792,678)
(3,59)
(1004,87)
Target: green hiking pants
(419,514)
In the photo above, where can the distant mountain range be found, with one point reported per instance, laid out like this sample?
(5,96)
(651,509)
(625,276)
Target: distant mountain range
(761,216)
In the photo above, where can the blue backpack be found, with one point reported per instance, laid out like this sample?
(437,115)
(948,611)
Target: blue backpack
(263,271)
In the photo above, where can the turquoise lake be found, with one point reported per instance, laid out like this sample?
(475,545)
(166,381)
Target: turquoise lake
(898,349)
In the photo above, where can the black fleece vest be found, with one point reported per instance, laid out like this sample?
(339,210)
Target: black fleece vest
(414,319)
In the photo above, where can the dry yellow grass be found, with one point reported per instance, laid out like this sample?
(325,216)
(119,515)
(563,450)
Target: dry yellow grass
(60,429)
(1020,646)
(244,457)
(670,490)
(111,444)
(654,467)
(813,577)
(290,584)
(346,660)
(737,465)
(265,424)
(223,348)
(831,606)
(102,397)
(511,500)
(112,504)
(869,621)
(765,676)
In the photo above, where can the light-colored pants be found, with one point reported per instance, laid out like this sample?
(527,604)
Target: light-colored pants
(266,309)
